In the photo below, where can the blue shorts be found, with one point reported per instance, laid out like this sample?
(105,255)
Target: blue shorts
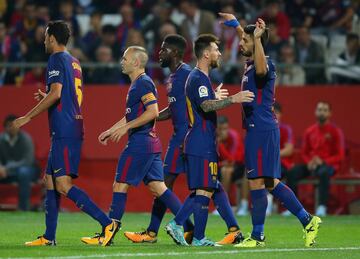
(202,172)
(64,157)
(174,162)
(262,154)
(136,167)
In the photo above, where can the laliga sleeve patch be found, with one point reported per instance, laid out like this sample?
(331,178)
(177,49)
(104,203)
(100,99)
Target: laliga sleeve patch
(203,91)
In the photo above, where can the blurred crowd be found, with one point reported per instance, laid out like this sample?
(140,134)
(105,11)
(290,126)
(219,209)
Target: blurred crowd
(312,41)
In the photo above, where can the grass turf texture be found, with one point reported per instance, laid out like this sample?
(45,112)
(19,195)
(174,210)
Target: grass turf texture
(339,238)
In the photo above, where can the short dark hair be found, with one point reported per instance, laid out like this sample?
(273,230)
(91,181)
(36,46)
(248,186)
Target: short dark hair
(202,42)
(222,120)
(108,29)
(9,118)
(176,41)
(277,107)
(60,30)
(249,29)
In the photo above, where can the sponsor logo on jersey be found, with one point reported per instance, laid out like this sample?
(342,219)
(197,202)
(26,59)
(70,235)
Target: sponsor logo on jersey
(53,73)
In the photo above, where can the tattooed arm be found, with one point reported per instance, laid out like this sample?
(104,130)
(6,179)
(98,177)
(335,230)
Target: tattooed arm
(214,105)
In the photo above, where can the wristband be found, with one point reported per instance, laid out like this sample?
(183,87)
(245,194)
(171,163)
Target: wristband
(232,23)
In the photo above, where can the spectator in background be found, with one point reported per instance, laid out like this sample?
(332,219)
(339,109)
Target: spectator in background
(128,22)
(275,43)
(93,37)
(160,15)
(35,76)
(43,13)
(231,157)
(104,75)
(67,13)
(35,49)
(108,38)
(334,16)
(273,14)
(17,161)
(196,22)
(10,51)
(289,73)
(25,28)
(308,51)
(350,58)
(322,152)
(301,12)
(134,37)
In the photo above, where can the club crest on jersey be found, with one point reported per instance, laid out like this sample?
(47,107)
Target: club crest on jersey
(203,91)
(53,73)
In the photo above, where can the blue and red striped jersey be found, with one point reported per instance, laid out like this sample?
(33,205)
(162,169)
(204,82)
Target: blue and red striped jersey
(201,137)
(259,115)
(65,119)
(141,94)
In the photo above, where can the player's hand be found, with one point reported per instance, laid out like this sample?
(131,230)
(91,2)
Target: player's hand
(19,122)
(118,133)
(103,137)
(39,95)
(243,97)
(221,94)
(260,28)
(227,17)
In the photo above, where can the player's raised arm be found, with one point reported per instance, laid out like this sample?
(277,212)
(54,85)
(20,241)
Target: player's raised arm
(231,21)
(164,114)
(48,100)
(259,54)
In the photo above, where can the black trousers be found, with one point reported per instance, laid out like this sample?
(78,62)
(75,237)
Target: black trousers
(322,172)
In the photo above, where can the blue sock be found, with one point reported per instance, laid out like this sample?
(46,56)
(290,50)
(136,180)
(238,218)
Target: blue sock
(83,202)
(201,212)
(51,213)
(172,202)
(288,198)
(186,210)
(222,204)
(157,214)
(258,213)
(117,207)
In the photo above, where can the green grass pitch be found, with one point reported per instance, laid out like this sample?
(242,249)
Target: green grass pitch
(339,237)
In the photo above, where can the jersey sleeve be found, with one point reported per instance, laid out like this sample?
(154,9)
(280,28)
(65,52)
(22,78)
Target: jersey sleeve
(55,70)
(147,93)
(202,92)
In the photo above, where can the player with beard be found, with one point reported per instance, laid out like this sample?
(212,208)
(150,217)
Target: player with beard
(262,141)
(201,158)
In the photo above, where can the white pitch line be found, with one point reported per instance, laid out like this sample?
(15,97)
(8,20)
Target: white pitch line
(238,251)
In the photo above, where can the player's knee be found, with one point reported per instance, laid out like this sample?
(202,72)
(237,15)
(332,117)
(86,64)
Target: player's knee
(208,192)
(63,184)
(157,188)
(256,184)
(63,187)
(120,187)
